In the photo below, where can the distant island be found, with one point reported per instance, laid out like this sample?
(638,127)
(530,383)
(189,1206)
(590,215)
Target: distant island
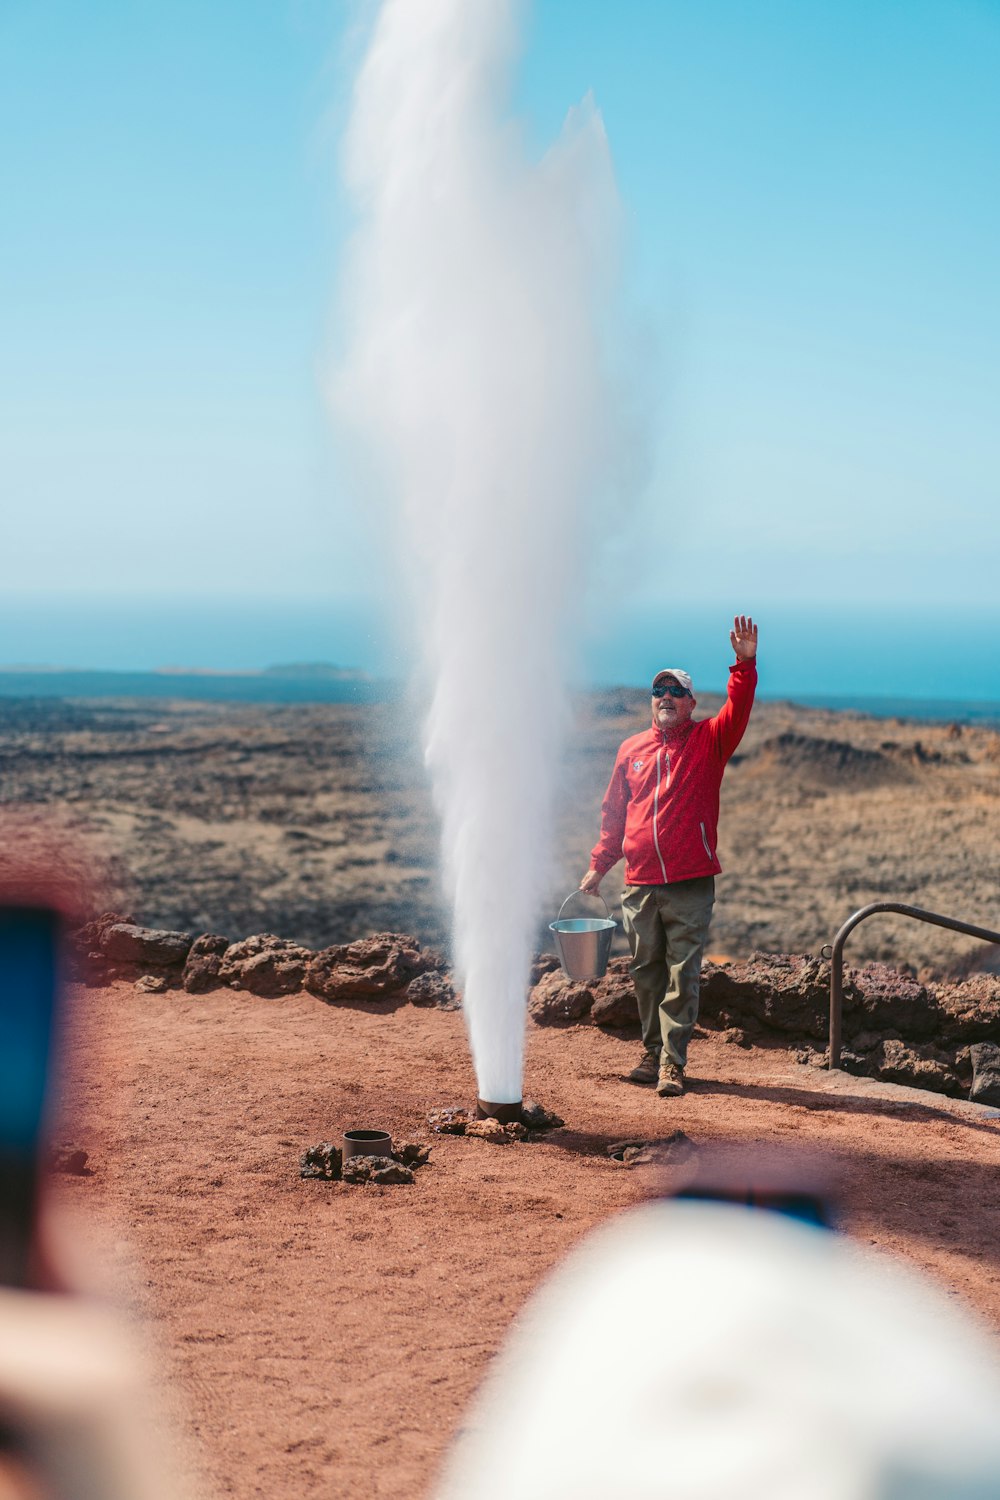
(291,682)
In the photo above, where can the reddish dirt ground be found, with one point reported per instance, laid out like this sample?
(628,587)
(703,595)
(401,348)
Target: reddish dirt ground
(326,1339)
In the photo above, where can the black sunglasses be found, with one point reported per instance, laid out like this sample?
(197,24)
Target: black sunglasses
(673,688)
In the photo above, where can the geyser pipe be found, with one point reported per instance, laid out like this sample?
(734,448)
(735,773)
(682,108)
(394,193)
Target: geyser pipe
(507,1114)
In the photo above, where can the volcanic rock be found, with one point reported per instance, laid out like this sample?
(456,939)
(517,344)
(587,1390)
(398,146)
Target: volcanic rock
(782,991)
(204,964)
(411,1153)
(324,1160)
(498,1135)
(327,1162)
(864,1041)
(537,1118)
(541,964)
(451,1120)
(378,1169)
(985,1073)
(970,1011)
(887,999)
(264,965)
(432,989)
(556,1000)
(86,947)
(919,1067)
(614,999)
(379,965)
(152,947)
(151,984)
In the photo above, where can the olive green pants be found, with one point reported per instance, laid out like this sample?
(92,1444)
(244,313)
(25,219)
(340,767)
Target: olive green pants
(667,926)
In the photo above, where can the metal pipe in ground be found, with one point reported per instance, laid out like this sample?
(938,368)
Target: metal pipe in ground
(367,1143)
(507,1114)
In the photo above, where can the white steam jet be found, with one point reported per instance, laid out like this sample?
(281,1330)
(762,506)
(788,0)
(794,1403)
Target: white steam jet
(474,378)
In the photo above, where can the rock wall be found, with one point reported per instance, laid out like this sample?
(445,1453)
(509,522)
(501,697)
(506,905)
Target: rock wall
(945,1037)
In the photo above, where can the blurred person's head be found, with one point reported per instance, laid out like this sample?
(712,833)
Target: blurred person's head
(701,1350)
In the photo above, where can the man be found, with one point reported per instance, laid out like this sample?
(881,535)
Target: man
(661,810)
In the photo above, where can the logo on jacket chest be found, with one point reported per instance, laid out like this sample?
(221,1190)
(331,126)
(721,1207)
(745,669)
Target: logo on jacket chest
(637,765)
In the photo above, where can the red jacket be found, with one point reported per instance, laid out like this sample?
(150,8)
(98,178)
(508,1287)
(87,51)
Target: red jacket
(661,808)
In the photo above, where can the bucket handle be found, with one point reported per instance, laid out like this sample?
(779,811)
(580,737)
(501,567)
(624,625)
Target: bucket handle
(578,892)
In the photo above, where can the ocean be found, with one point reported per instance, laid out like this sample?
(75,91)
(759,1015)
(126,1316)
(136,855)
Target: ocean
(932,664)
(285,686)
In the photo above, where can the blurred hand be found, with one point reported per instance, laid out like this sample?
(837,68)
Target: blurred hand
(75,1389)
(591,883)
(70,1385)
(743,638)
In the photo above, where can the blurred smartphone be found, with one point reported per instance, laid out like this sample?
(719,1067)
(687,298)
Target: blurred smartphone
(29,986)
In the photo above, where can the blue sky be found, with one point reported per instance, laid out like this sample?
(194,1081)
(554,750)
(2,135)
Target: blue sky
(809,285)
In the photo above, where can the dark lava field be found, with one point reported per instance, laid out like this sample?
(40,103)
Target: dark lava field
(315,821)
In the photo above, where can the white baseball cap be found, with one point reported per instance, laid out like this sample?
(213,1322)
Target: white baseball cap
(677,672)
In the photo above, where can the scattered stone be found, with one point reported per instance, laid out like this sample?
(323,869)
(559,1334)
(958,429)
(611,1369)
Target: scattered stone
(433,989)
(204,963)
(454,1120)
(676,1147)
(614,999)
(411,1153)
(970,1011)
(888,999)
(537,1118)
(498,1135)
(86,948)
(917,1066)
(852,1062)
(985,1073)
(324,1160)
(865,1041)
(122,942)
(265,965)
(451,1120)
(380,965)
(963,1063)
(556,1000)
(781,991)
(383,1170)
(542,963)
(898,1025)
(69,1160)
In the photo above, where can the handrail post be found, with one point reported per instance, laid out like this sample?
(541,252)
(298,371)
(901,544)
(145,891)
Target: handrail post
(837,955)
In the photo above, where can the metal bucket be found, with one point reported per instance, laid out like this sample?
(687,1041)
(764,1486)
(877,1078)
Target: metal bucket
(584,943)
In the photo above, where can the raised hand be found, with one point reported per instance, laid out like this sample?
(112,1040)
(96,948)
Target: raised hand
(743,638)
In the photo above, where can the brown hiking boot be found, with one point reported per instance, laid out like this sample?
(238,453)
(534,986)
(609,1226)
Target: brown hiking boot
(671,1079)
(647,1071)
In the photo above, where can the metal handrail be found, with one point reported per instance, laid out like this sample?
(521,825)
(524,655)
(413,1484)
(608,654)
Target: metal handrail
(837,954)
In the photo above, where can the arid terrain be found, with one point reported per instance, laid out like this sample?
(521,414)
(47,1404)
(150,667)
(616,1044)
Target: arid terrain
(315,821)
(318,1338)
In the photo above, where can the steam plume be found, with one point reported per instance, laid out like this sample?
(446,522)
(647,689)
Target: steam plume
(474,377)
